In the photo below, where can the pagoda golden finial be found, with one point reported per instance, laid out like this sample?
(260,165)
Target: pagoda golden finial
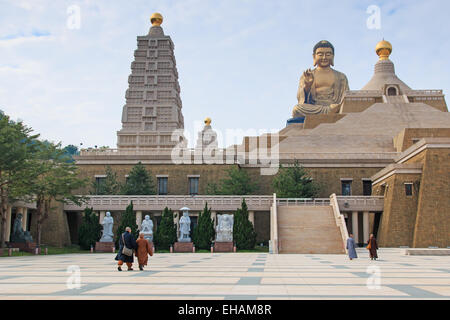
(156,19)
(383,49)
(208,121)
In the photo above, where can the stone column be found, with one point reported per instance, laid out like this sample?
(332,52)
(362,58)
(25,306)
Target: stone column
(251,217)
(355,226)
(8,223)
(365,226)
(102,215)
(24,218)
(213,217)
(139,219)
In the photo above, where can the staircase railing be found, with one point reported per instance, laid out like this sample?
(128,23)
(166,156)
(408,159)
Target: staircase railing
(340,220)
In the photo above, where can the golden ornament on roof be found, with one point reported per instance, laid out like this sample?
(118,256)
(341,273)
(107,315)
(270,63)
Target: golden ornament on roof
(383,49)
(208,121)
(156,19)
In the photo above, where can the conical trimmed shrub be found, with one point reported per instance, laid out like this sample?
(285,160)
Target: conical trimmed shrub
(204,233)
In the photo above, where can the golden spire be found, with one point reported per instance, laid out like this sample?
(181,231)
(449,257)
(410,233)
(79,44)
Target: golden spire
(383,49)
(156,19)
(208,121)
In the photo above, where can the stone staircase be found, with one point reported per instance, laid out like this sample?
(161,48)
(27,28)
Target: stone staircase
(308,229)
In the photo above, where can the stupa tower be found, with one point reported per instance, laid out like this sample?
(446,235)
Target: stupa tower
(153,105)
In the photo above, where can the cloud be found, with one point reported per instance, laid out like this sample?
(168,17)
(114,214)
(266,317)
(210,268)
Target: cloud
(35,36)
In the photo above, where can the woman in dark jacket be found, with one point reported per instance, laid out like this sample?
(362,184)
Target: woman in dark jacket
(372,246)
(130,242)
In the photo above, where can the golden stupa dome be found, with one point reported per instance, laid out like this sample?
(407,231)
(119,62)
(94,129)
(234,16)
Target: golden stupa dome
(208,121)
(156,19)
(383,49)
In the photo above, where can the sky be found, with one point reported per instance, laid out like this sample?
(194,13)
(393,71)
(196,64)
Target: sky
(239,61)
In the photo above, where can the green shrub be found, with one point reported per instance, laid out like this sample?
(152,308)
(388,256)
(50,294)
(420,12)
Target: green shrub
(244,235)
(128,219)
(203,234)
(166,233)
(90,230)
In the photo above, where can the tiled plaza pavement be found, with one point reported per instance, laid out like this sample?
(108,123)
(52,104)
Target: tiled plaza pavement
(228,276)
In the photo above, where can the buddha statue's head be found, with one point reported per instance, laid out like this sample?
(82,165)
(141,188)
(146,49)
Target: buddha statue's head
(323,54)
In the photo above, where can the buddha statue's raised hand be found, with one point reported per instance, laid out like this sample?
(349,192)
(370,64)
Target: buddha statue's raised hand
(308,78)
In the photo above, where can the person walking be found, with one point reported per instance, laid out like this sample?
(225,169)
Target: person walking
(372,246)
(351,247)
(126,246)
(143,250)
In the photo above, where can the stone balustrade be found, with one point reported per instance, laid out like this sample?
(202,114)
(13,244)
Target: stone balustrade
(158,203)
(303,202)
(361,203)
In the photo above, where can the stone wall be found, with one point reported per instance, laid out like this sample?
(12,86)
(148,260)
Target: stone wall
(55,229)
(399,215)
(433,219)
(328,178)
(404,139)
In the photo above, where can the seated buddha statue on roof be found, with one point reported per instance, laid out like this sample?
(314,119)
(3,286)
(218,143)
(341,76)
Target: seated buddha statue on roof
(322,89)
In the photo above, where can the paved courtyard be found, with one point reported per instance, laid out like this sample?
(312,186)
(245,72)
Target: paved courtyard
(228,276)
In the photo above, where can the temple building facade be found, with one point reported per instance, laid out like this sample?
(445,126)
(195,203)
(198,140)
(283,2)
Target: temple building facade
(381,156)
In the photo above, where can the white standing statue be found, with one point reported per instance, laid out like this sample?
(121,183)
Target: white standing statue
(147,228)
(107,223)
(224,228)
(185,226)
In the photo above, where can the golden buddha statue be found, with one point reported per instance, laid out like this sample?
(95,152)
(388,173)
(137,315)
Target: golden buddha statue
(321,90)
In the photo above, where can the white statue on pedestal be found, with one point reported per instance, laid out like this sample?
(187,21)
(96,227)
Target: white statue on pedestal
(224,228)
(147,228)
(107,223)
(185,226)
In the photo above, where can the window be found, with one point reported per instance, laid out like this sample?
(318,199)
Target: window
(408,189)
(193,186)
(392,91)
(346,187)
(162,185)
(367,188)
(99,184)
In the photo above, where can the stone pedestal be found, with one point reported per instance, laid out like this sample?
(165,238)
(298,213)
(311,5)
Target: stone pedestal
(183,247)
(23,246)
(104,246)
(223,247)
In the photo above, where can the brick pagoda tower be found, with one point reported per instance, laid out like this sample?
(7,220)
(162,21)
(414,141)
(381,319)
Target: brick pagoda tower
(153,105)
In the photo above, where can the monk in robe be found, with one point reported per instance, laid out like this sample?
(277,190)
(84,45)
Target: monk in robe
(321,90)
(143,250)
(372,246)
(351,247)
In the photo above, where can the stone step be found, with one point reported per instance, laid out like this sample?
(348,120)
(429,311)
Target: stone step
(304,229)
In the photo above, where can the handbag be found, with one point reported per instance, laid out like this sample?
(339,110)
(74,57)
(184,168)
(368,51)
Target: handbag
(126,251)
(369,246)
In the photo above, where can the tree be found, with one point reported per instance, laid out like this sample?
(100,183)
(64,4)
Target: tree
(16,148)
(128,219)
(203,234)
(294,182)
(238,182)
(139,182)
(166,233)
(53,178)
(109,186)
(244,234)
(71,151)
(90,229)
